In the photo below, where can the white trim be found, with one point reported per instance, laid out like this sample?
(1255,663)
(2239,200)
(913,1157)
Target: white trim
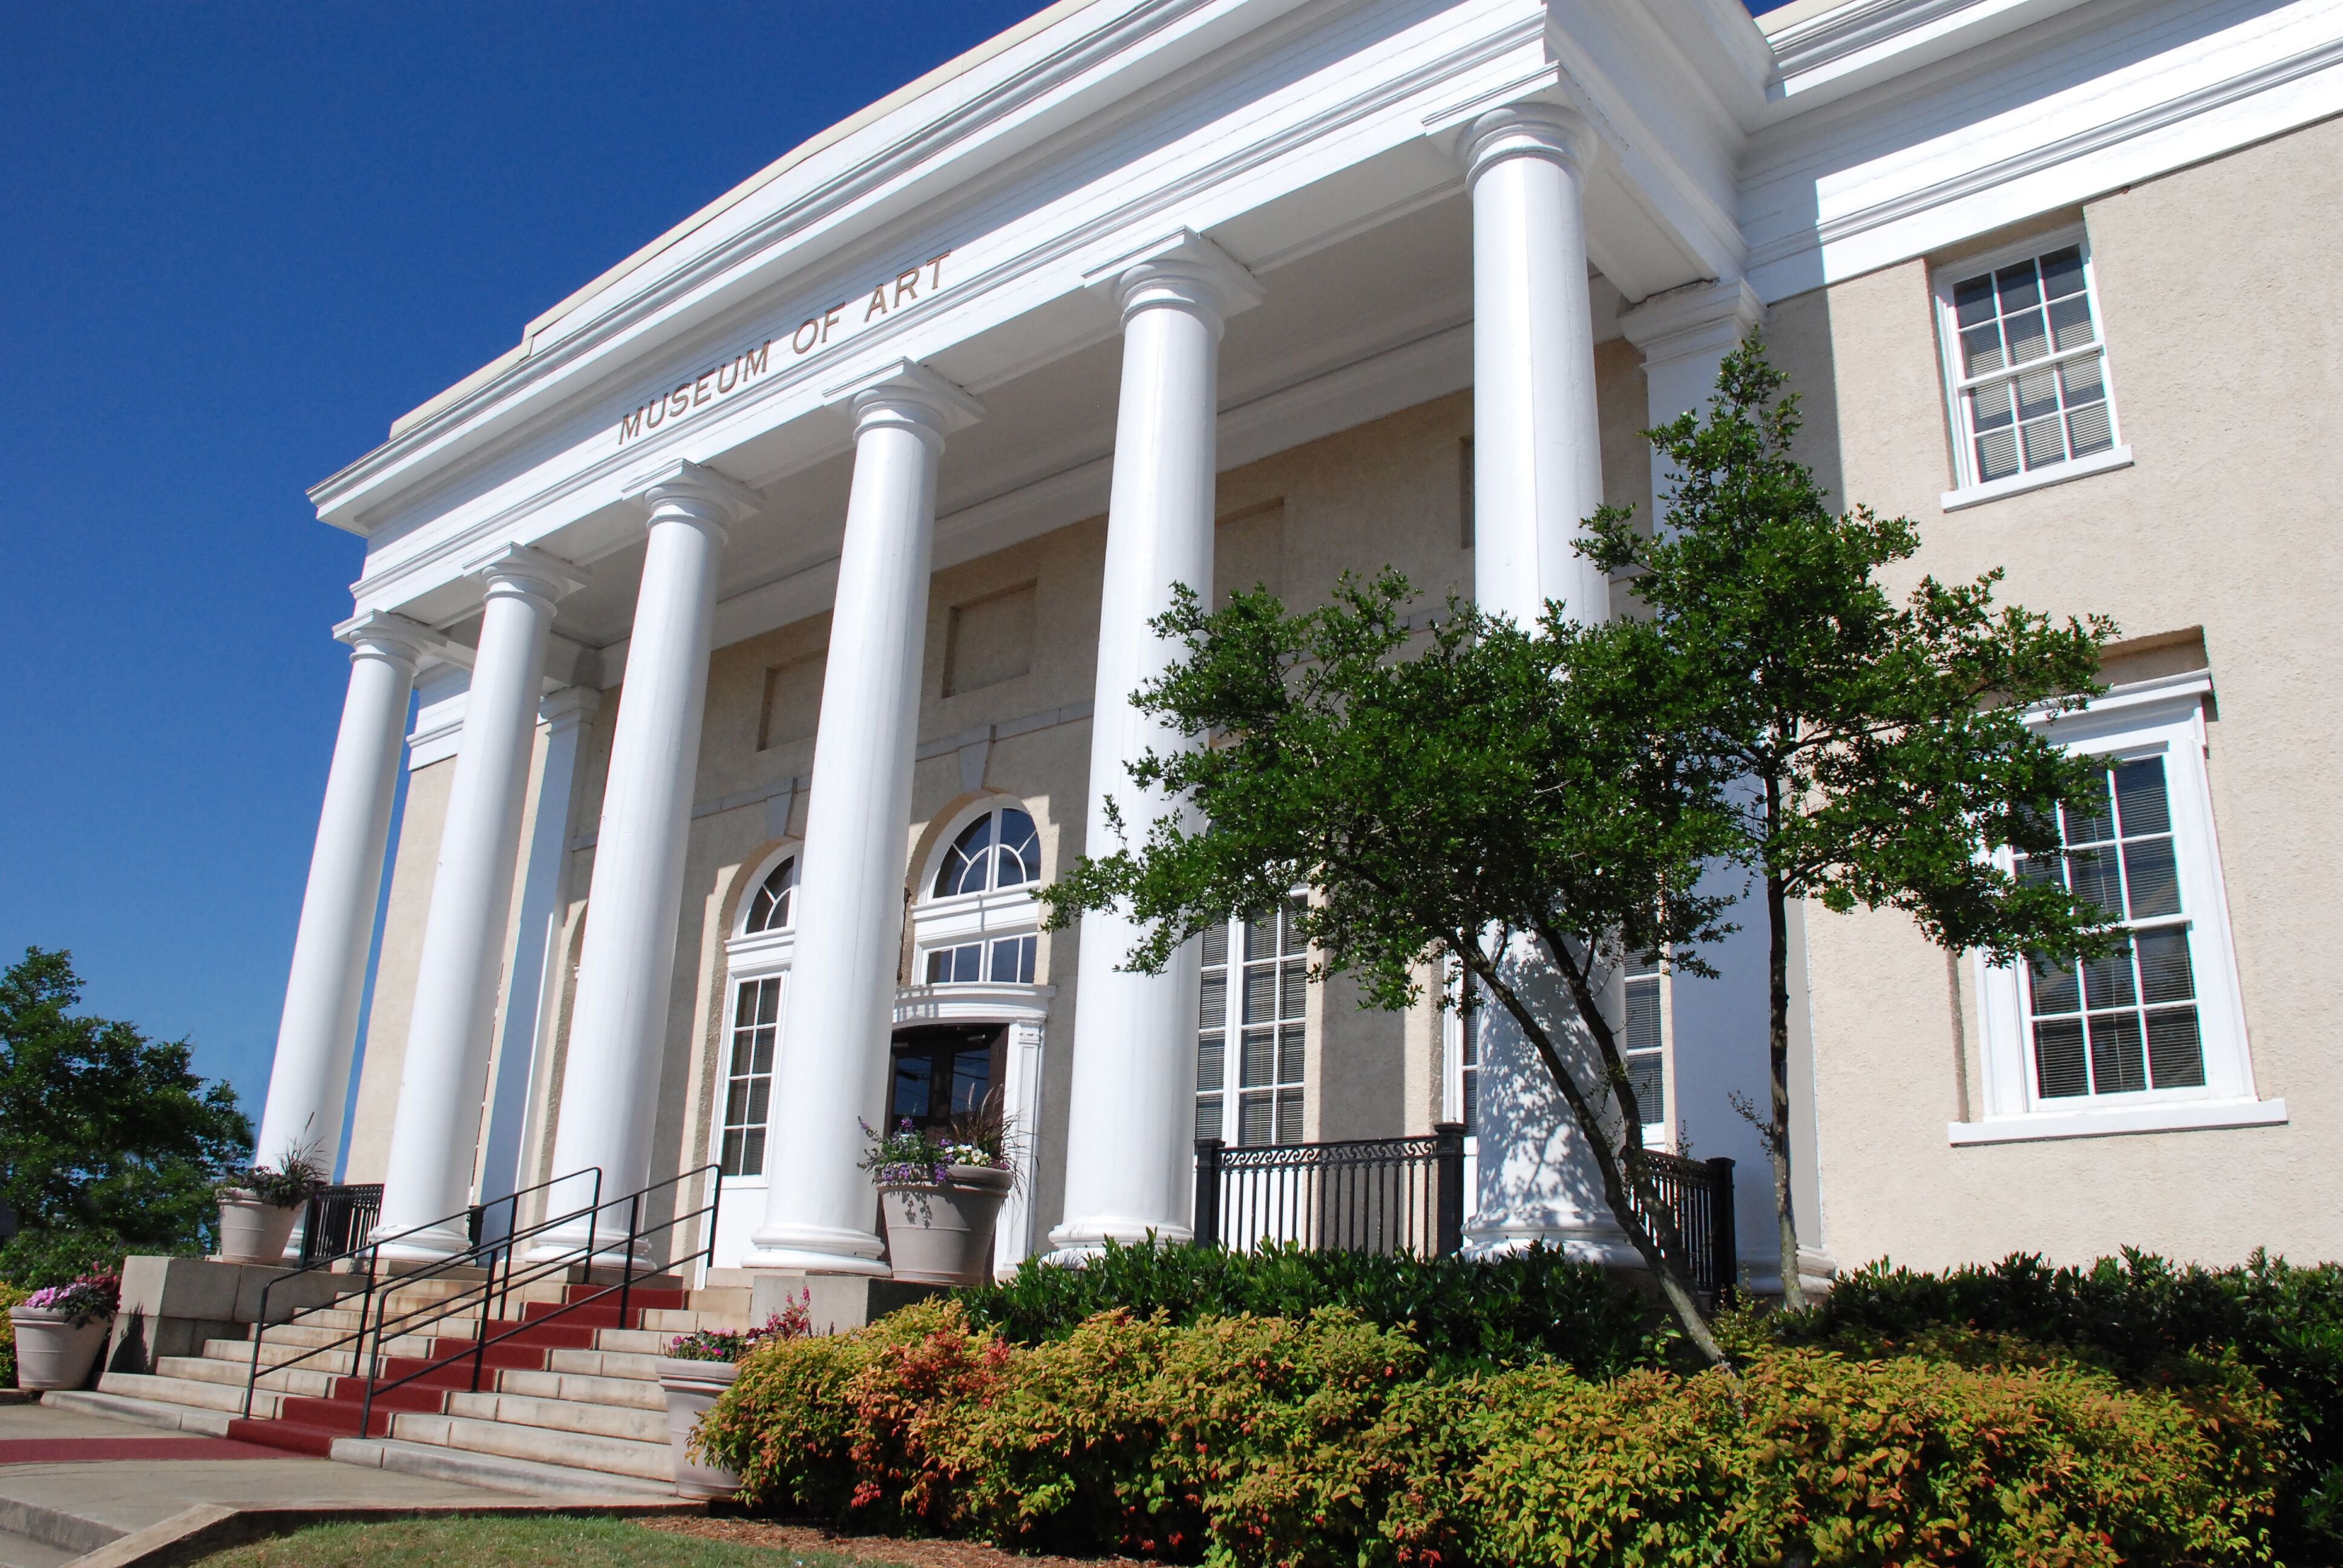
(2163,716)
(2171,1116)
(749,945)
(1025,1009)
(2037,479)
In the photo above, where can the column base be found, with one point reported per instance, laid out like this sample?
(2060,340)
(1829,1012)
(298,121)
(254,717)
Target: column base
(1586,1241)
(610,1243)
(815,1250)
(1817,1272)
(1078,1240)
(425,1245)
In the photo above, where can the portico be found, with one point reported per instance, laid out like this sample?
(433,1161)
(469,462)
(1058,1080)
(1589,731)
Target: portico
(847,508)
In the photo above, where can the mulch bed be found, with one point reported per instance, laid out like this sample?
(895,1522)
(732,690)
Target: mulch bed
(887,1549)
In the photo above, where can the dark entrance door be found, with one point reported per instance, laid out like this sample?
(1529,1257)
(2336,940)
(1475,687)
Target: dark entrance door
(943,1072)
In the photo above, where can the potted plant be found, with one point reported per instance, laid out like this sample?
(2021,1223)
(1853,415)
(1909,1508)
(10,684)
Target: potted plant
(259,1207)
(941,1191)
(59,1330)
(695,1371)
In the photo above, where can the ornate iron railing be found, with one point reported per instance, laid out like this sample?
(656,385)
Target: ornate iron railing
(1699,1196)
(337,1219)
(1360,1195)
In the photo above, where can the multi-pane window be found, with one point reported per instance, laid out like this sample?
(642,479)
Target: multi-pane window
(2029,382)
(749,1087)
(1253,1031)
(998,850)
(940,1074)
(1468,1054)
(1003,960)
(2128,1021)
(1644,1050)
(768,908)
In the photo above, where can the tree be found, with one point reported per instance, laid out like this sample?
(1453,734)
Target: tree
(1884,746)
(1458,798)
(107,1139)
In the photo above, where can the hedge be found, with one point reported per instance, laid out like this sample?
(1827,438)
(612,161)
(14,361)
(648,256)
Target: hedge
(1295,1442)
(9,1296)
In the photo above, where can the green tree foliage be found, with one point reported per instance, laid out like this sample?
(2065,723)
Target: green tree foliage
(108,1142)
(1472,789)
(1885,744)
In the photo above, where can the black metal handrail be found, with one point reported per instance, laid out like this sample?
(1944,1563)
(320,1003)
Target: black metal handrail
(1698,1194)
(540,1269)
(1355,1195)
(372,1249)
(336,1219)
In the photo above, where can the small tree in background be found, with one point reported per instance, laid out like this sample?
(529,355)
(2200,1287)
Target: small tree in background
(1884,746)
(108,1142)
(1476,791)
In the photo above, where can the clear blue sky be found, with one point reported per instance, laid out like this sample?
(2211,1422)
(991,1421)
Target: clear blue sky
(236,241)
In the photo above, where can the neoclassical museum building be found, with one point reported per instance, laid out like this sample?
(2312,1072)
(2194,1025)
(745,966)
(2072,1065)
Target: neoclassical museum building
(758,632)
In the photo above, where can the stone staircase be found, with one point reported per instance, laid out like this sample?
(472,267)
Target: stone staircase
(566,1403)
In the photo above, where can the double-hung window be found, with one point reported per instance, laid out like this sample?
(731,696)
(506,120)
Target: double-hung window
(1253,1031)
(2151,1036)
(2026,371)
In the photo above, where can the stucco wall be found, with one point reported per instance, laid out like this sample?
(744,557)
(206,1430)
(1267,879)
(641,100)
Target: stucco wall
(2220,297)
(411,873)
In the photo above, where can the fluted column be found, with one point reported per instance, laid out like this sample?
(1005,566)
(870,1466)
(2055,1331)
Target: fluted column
(626,973)
(1537,457)
(831,1070)
(435,1135)
(1130,1119)
(310,1078)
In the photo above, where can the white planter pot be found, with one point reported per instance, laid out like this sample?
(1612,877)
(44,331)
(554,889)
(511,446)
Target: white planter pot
(691,1388)
(942,1236)
(51,1352)
(252,1231)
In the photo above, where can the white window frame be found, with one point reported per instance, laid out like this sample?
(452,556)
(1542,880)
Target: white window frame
(1968,490)
(2161,718)
(958,919)
(1232,1089)
(750,958)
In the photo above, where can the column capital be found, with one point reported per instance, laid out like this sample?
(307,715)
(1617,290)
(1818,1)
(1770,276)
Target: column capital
(1547,131)
(379,634)
(1699,319)
(523,568)
(1181,271)
(694,489)
(907,394)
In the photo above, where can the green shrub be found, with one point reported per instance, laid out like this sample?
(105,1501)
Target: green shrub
(1508,1310)
(35,1260)
(2150,1323)
(1323,1441)
(9,1296)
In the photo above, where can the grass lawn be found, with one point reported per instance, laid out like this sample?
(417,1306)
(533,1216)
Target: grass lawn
(548,1542)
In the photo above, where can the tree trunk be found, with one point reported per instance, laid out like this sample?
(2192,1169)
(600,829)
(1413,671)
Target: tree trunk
(1778,1131)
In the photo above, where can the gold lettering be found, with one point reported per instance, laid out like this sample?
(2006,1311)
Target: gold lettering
(631,425)
(936,275)
(699,392)
(877,306)
(828,320)
(722,386)
(799,341)
(678,402)
(657,413)
(753,362)
(907,283)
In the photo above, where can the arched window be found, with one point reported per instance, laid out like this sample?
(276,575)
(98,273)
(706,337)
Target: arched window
(998,850)
(768,907)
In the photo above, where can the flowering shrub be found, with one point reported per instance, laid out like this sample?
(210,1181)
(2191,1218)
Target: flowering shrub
(916,1157)
(1326,1441)
(85,1301)
(793,1322)
(9,1296)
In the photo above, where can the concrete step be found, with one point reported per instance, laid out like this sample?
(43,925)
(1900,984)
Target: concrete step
(221,1399)
(123,1406)
(493,1471)
(583,1388)
(639,1366)
(234,1374)
(632,1341)
(24,1551)
(563,1415)
(544,1446)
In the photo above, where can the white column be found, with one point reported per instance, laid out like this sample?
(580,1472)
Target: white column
(1537,472)
(831,1074)
(532,972)
(626,973)
(1684,335)
(1537,455)
(310,1078)
(1131,1118)
(435,1130)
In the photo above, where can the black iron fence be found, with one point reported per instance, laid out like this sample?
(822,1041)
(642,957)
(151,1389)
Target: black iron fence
(1362,1195)
(337,1220)
(1699,1193)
